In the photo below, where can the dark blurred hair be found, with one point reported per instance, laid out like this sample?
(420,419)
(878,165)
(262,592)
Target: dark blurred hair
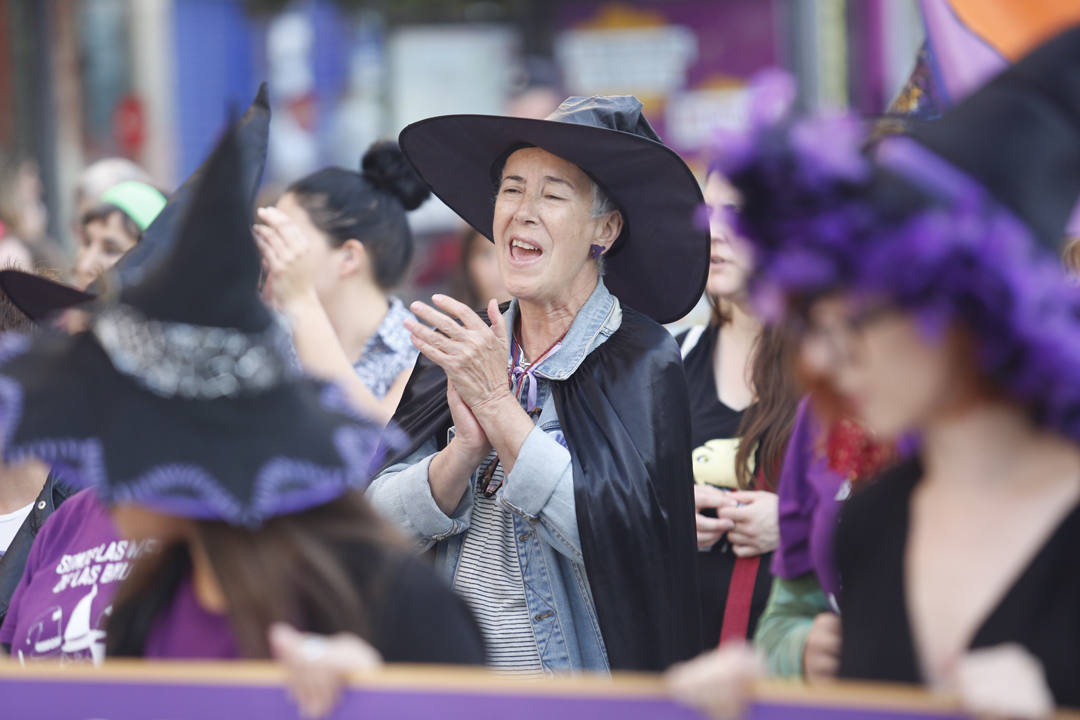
(368,206)
(767,423)
(101,213)
(322,569)
(462,286)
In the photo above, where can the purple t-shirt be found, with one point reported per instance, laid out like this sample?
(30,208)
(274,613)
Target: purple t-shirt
(187,631)
(810,497)
(60,607)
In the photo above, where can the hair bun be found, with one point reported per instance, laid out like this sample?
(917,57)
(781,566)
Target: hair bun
(385,167)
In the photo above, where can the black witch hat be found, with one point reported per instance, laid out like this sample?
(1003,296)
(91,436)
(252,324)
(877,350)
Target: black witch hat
(659,263)
(1038,101)
(39,298)
(960,221)
(182,397)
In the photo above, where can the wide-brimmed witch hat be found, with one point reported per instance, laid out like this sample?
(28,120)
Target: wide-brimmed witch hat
(40,298)
(961,221)
(659,263)
(182,396)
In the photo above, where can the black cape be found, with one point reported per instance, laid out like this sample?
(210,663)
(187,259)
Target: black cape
(625,414)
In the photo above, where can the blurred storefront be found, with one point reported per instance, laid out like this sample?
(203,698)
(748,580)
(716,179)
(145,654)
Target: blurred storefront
(155,80)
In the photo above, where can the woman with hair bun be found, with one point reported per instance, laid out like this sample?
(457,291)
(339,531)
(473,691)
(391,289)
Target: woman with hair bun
(333,247)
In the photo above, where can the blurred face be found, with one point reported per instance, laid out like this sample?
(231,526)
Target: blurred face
(136,522)
(101,244)
(882,364)
(730,259)
(543,227)
(325,260)
(34,216)
(482,266)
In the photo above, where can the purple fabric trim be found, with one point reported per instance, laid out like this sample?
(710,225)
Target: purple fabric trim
(931,172)
(808,215)
(283,485)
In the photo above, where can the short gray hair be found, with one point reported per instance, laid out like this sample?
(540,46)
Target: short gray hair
(601,203)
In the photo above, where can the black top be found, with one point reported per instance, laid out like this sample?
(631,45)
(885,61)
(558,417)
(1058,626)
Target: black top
(422,621)
(1041,610)
(410,614)
(710,418)
(13,560)
(712,421)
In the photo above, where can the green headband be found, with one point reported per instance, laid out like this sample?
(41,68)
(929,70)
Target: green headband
(137,200)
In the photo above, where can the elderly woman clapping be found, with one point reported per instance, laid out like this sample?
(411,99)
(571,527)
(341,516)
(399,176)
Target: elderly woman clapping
(548,461)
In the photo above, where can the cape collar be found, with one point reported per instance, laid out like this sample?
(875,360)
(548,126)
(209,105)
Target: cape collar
(598,318)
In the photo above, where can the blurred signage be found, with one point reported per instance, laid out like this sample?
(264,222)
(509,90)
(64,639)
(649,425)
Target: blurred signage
(686,60)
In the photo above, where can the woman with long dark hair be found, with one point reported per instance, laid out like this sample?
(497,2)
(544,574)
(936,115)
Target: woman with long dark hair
(743,399)
(932,273)
(334,247)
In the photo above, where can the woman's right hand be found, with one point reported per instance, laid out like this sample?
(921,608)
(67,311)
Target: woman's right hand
(287,257)
(821,654)
(317,667)
(1004,681)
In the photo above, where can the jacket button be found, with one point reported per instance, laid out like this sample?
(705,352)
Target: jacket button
(524,536)
(41,505)
(543,615)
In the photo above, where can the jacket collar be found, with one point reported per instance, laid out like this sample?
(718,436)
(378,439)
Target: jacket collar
(597,319)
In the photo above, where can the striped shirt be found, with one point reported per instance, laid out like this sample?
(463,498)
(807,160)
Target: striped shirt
(489,578)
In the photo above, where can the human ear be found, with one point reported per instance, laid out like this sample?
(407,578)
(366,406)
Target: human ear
(608,229)
(354,258)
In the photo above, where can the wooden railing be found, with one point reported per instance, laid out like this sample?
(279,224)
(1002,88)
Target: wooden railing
(129,690)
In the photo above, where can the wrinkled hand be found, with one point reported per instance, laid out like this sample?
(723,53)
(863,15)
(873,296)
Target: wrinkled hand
(1005,681)
(318,666)
(756,524)
(710,529)
(821,654)
(472,354)
(287,256)
(468,435)
(719,683)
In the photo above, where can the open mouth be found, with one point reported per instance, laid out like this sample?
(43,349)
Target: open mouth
(524,251)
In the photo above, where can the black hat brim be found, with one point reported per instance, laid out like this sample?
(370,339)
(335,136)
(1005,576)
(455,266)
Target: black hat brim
(661,262)
(40,298)
(240,460)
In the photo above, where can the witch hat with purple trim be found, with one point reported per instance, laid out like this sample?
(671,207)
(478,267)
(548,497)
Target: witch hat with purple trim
(1019,136)
(182,397)
(40,298)
(960,223)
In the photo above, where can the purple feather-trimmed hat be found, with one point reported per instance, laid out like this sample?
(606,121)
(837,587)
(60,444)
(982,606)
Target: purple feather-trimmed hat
(183,397)
(962,221)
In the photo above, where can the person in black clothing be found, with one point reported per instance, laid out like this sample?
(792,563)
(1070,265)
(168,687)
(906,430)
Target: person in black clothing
(743,398)
(931,275)
(180,406)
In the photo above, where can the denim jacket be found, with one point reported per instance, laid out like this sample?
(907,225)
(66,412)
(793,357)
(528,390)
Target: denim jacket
(539,491)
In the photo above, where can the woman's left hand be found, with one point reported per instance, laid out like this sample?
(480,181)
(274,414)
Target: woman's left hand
(1004,681)
(287,257)
(473,355)
(756,522)
(317,667)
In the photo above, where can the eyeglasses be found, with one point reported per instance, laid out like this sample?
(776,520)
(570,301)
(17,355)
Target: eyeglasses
(840,335)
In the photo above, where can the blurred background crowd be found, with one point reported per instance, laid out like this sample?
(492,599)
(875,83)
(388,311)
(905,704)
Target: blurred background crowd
(150,84)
